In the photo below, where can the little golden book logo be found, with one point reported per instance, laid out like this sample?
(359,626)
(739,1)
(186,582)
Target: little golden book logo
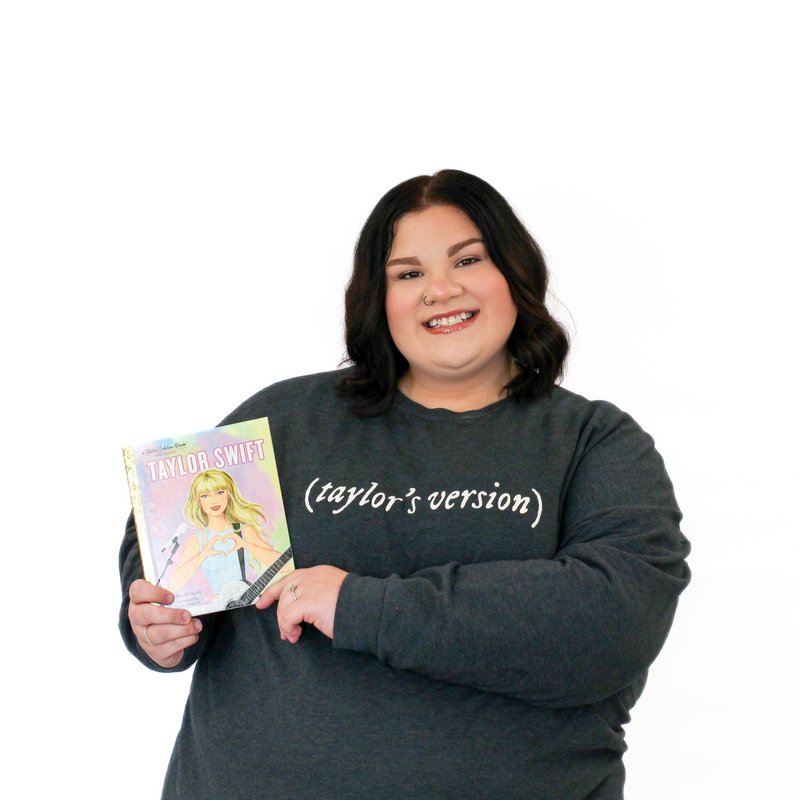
(209,515)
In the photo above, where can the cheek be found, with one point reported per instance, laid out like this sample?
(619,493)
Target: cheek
(399,310)
(499,295)
(510,309)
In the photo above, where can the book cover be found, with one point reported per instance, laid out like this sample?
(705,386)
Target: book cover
(209,515)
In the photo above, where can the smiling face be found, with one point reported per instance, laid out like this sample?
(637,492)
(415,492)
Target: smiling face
(213,502)
(449,307)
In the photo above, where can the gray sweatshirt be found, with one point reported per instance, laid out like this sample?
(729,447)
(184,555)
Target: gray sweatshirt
(513,573)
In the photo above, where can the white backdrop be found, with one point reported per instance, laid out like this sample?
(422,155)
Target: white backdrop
(182,184)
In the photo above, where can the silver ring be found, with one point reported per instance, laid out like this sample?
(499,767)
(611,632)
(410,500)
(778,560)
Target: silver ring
(146,637)
(425,300)
(293,590)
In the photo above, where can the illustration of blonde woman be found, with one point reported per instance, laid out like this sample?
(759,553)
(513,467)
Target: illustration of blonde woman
(229,534)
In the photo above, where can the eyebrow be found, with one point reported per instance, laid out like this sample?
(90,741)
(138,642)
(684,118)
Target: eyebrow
(451,251)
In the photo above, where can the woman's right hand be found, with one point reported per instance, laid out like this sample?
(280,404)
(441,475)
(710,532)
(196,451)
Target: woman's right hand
(163,633)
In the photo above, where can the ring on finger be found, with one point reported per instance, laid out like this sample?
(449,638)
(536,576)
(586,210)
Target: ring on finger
(293,590)
(146,637)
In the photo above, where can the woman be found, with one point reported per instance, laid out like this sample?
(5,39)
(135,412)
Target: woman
(226,522)
(489,563)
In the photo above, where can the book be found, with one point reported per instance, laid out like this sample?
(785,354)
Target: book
(209,515)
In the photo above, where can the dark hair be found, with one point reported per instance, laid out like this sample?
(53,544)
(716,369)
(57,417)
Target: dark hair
(537,343)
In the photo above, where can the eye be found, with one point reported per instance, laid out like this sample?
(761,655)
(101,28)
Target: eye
(412,273)
(204,497)
(221,491)
(465,262)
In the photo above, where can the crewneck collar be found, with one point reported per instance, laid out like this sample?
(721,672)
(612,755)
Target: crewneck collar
(407,405)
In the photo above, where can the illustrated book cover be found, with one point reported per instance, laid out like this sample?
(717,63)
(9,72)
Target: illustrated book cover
(209,515)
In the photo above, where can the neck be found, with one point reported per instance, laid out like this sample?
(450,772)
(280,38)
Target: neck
(457,395)
(218,524)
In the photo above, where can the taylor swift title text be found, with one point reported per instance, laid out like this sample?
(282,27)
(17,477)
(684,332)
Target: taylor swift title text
(229,455)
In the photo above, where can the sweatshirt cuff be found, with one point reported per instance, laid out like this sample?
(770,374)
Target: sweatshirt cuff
(357,622)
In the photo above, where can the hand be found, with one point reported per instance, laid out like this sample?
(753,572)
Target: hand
(209,550)
(231,542)
(316,590)
(163,633)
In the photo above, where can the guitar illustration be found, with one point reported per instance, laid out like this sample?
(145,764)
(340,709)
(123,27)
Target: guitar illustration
(239,594)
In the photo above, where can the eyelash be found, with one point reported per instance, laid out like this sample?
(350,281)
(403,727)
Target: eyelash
(415,273)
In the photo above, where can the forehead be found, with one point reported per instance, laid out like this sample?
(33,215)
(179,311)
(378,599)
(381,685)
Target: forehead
(432,229)
(210,485)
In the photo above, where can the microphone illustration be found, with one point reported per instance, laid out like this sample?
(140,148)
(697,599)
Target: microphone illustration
(180,530)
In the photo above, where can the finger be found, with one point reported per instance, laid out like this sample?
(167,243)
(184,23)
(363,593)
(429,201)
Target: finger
(292,635)
(168,663)
(290,615)
(273,591)
(170,654)
(144,614)
(142,591)
(264,601)
(155,636)
(290,629)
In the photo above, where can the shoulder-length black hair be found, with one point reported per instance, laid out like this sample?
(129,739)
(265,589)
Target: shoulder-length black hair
(537,343)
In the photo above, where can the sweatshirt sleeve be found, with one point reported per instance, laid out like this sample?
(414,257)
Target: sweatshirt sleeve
(130,569)
(560,632)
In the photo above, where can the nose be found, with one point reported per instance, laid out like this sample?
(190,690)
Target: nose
(443,285)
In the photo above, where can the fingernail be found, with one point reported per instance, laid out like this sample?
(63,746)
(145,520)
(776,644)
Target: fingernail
(198,626)
(186,617)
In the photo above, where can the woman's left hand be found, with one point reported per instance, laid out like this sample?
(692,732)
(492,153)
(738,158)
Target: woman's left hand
(305,595)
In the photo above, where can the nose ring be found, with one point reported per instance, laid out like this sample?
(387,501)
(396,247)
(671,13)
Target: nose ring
(425,300)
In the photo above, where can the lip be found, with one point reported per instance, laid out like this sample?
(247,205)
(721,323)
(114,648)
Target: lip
(452,328)
(216,508)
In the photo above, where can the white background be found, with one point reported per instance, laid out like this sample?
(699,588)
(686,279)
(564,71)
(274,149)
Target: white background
(182,184)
